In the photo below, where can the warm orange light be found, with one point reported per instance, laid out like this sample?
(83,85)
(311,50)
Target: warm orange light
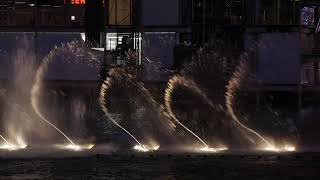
(78,2)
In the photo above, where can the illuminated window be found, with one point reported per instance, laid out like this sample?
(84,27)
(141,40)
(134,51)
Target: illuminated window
(111,41)
(73,18)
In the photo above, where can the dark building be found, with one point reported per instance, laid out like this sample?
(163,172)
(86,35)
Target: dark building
(275,33)
(40,13)
(207,19)
(280,36)
(144,28)
(139,25)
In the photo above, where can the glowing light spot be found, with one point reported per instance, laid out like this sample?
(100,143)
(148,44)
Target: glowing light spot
(12,147)
(140,148)
(143,148)
(76,147)
(290,148)
(208,149)
(271,148)
(286,148)
(83,36)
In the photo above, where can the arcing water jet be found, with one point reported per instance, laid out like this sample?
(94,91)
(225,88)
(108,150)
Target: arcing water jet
(65,49)
(233,86)
(34,102)
(103,104)
(175,82)
(106,86)
(36,89)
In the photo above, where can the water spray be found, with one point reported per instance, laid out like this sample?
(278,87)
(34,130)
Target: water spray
(175,82)
(11,147)
(233,86)
(35,93)
(73,48)
(106,85)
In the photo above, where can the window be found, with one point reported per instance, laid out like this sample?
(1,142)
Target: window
(120,12)
(288,12)
(197,13)
(278,12)
(115,39)
(111,41)
(233,12)
(307,73)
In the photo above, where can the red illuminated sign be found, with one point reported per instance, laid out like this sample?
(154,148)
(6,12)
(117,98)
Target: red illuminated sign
(78,2)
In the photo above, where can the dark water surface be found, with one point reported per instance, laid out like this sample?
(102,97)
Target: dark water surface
(165,166)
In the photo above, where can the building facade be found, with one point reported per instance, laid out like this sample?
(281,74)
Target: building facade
(280,36)
(276,33)
(32,13)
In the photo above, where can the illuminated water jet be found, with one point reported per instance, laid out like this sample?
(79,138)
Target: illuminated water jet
(73,48)
(119,74)
(10,146)
(232,87)
(175,82)
(4,139)
(35,93)
(106,85)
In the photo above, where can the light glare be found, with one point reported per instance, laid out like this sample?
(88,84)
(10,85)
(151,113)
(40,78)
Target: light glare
(12,147)
(76,147)
(143,148)
(208,149)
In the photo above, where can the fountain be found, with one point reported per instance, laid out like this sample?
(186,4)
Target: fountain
(107,84)
(82,52)
(175,82)
(239,76)
(17,122)
(79,50)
